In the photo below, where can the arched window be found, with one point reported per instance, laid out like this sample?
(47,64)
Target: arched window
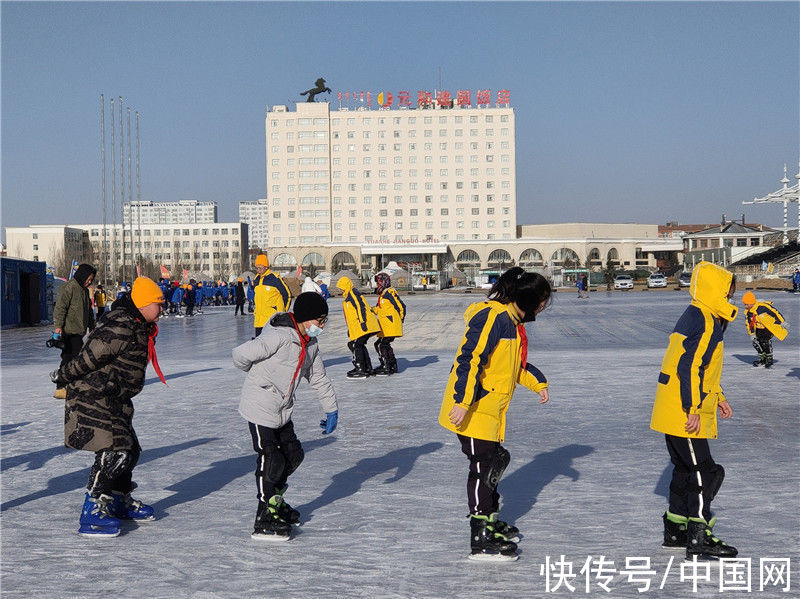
(315,259)
(468,258)
(565,257)
(500,259)
(284,261)
(612,258)
(530,258)
(343,261)
(594,258)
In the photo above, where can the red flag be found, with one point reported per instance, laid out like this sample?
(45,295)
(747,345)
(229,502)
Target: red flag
(138,271)
(185,275)
(164,272)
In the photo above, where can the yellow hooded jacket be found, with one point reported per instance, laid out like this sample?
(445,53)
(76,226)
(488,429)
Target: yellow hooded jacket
(689,382)
(486,370)
(763,315)
(360,319)
(271,296)
(391,312)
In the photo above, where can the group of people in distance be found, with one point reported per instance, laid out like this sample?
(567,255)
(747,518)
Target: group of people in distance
(101,379)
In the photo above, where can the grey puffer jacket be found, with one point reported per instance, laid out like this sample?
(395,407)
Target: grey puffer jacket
(271,363)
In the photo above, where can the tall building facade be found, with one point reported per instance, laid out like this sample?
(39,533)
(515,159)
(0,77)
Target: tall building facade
(256,214)
(182,212)
(390,176)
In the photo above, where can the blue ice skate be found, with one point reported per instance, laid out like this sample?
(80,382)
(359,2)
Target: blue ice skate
(126,507)
(96,521)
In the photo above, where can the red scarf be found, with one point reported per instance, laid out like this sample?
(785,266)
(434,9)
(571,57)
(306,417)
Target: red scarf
(523,345)
(151,351)
(303,343)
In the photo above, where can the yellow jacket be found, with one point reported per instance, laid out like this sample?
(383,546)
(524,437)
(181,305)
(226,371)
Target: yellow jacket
(391,312)
(271,296)
(486,370)
(99,299)
(360,319)
(689,382)
(763,315)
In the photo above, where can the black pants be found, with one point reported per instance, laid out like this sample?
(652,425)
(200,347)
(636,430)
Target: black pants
(360,353)
(113,471)
(696,478)
(239,309)
(763,342)
(189,309)
(481,498)
(72,347)
(100,312)
(279,454)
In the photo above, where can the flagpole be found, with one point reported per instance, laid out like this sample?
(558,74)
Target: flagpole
(122,185)
(130,195)
(114,273)
(138,190)
(104,250)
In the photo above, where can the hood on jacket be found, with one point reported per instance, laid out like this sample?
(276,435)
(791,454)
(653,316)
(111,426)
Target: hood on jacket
(345,284)
(82,273)
(709,286)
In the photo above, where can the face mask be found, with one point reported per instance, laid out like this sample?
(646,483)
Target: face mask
(313,330)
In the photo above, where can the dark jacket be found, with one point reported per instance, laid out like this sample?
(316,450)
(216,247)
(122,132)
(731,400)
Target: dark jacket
(73,310)
(240,298)
(102,379)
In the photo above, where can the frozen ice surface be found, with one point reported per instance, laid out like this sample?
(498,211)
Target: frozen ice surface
(383,498)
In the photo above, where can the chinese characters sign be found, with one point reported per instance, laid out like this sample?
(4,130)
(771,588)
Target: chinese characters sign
(426,99)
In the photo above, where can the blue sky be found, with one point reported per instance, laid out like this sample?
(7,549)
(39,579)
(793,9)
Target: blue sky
(626,112)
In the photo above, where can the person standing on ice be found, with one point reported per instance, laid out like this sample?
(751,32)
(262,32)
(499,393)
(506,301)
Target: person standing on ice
(763,322)
(685,410)
(361,325)
(101,382)
(270,294)
(72,316)
(275,361)
(492,358)
(391,312)
(239,297)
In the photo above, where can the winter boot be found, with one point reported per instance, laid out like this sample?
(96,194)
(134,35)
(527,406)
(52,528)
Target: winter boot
(488,545)
(286,511)
(367,361)
(701,542)
(268,525)
(768,361)
(96,521)
(504,529)
(391,361)
(358,372)
(674,530)
(761,359)
(126,507)
(383,353)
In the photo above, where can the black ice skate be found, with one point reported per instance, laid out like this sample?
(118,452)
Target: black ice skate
(504,529)
(488,545)
(702,543)
(285,511)
(768,361)
(268,525)
(359,372)
(674,531)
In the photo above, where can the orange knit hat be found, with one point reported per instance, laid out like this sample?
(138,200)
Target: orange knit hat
(261,260)
(146,292)
(749,298)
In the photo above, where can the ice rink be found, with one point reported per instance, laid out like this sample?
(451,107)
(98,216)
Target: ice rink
(383,499)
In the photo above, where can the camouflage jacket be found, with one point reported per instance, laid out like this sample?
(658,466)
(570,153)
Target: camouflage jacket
(102,379)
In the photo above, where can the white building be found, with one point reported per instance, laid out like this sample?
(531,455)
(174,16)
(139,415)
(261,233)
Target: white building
(54,244)
(399,176)
(256,215)
(182,212)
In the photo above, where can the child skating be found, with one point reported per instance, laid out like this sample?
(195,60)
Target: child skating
(361,325)
(685,410)
(391,312)
(763,322)
(275,361)
(491,360)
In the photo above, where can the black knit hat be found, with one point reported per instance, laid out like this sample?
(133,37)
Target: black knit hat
(309,306)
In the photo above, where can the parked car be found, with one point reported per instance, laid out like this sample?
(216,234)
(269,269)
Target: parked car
(656,280)
(623,282)
(684,279)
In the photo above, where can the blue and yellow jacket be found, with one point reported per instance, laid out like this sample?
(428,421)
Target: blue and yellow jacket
(360,319)
(763,315)
(391,312)
(689,382)
(491,360)
(271,295)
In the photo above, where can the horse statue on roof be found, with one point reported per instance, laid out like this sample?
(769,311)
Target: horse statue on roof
(311,93)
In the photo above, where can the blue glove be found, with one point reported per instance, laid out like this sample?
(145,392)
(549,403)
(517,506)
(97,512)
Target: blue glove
(329,424)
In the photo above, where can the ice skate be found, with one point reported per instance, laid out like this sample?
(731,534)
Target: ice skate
(768,361)
(359,372)
(285,511)
(487,545)
(504,529)
(268,525)
(674,531)
(126,507)
(702,543)
(95,520)
(759,361)
(383,369)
